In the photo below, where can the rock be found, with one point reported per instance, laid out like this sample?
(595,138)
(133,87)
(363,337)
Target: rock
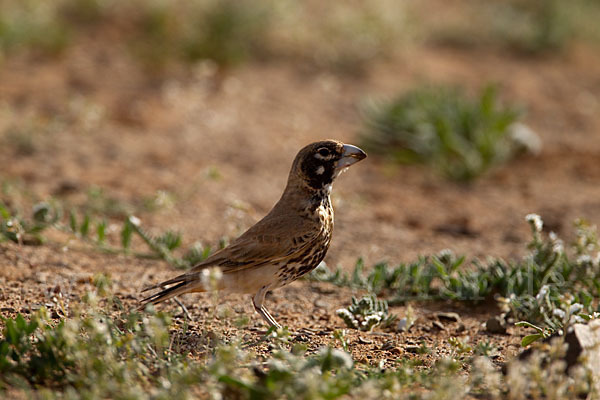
(362,340)
(308,331)
(584,340)
(66,187)
(584,347)
(457,226)
(402,324)
(320,304)
(496,324)
(438,325)
(387,346)
(448,316)
(301,338)
(396,350)
(413,349)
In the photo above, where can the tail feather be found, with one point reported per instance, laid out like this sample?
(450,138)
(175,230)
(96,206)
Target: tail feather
(162,285)
(183,284)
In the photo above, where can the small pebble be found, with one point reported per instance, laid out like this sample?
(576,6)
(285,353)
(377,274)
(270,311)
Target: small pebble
(364,341)
(387,346)
(496,324)
(438,325)
(448,316)
(413,349)
(320,303)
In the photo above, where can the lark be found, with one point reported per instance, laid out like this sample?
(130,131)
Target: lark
(290,241)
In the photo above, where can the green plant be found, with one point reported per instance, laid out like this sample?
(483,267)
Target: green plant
(226,32)
(20,230)
(541,27)
(549,286)
(91,230)
(440,126)
(93,354)
(366,313)
(101,351)
(538,26)
(32,24)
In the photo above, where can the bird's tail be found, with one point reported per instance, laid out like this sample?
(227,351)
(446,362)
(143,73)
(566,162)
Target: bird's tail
(182,284)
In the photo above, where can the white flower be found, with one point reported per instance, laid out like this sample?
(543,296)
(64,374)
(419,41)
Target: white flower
(557,246)
(584,259)
(525,138)
(347,316)
(370,318)
(575,308)
(344,312)
(445,253)
(536,221)
(134,220)
(557,312)
(542,293)
(344,359)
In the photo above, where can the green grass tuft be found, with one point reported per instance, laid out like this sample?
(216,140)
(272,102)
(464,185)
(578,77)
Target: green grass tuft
(440,126)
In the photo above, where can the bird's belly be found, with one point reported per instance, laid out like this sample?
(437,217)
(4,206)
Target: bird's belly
(250,280)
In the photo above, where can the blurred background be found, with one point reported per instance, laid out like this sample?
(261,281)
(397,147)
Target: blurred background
(188,114)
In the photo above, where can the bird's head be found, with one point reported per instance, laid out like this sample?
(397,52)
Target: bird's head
(319,163)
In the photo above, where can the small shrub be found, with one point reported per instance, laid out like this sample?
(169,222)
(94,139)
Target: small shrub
(441,127)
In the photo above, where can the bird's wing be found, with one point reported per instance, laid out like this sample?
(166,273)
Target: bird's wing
(275,238)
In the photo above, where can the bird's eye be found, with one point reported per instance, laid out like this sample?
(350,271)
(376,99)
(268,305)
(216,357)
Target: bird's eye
(324,151)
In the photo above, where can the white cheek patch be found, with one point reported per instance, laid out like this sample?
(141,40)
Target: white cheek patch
(320,157)
(320,170)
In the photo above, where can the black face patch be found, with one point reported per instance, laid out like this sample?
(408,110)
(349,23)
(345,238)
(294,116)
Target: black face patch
(319,164)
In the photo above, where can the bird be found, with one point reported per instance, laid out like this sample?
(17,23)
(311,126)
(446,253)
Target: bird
(290,241)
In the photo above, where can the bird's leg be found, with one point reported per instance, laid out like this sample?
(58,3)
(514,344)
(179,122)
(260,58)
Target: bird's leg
(258,300)
(183,308)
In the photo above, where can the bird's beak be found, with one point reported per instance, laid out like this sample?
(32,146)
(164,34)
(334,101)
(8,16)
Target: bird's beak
(351,155)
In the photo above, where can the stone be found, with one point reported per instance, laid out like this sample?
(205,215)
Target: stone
(496,324)
(438,325)
(448,316)
(584,346)
(362,340)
